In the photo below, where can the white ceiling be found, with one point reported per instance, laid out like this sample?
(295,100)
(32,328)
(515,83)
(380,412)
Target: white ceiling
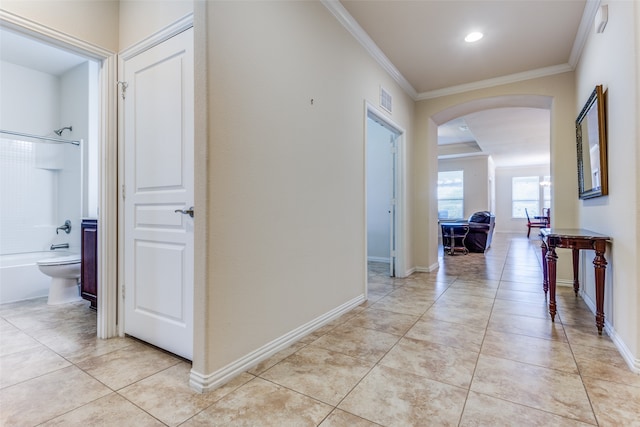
(424,41)
(36,55)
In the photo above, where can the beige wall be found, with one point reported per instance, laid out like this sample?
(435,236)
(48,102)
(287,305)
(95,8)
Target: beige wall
(476,181)
(504,221)
(286,176)
(610,59)
(554,92)
(139,19)
(95,22)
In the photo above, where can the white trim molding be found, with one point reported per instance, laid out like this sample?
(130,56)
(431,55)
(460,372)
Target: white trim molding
(206,382)
(429,269)
(350,24)
(158,37)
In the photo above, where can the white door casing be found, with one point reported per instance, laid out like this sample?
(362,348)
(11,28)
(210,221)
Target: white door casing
(158,129)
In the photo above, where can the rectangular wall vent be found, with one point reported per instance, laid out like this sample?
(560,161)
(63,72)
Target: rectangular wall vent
(386,100)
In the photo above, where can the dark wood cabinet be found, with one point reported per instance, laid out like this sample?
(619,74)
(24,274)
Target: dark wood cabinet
(89,274)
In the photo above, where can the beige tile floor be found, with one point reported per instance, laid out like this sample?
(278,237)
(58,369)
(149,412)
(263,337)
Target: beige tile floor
(469,345)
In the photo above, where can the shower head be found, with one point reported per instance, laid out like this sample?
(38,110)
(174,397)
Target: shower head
(59,131)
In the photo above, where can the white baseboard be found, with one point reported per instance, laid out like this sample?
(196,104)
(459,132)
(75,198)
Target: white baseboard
(207,382)
(429,269)
(632,362)
(378,259)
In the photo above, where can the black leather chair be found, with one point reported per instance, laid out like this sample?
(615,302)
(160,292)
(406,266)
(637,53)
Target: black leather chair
(481,226)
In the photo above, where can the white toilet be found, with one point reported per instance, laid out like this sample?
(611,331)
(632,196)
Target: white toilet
(64,272)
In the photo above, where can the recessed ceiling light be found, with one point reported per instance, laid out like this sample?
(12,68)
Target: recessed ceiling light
(473,37)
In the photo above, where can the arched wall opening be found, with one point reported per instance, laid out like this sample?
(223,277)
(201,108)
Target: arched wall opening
(555,93)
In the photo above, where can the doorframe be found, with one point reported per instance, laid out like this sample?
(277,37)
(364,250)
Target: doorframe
(400,164)
(108,159)
(155,39)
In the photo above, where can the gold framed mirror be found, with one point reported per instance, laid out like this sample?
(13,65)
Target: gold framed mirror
(591,143)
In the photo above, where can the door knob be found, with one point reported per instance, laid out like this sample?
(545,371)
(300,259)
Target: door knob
(185,211)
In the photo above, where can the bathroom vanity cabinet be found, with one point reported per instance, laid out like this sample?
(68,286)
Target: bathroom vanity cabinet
(89,273)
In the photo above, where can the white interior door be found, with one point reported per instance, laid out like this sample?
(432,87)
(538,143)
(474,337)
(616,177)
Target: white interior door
(158,179)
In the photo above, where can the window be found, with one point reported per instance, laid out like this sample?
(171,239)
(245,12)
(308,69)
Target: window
(532,193)
(450,195)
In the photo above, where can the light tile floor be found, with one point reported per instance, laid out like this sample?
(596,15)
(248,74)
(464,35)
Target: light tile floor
(470,344)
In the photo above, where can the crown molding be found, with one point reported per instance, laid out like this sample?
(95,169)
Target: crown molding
(585,28)
(483,84)
(347,21)
(49,35)
(345,18)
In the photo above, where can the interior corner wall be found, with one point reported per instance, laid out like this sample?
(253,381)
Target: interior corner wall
(286,116)
(476,181)
(610,59)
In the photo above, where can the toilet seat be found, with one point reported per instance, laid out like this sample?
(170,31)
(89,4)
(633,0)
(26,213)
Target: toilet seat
(63,260)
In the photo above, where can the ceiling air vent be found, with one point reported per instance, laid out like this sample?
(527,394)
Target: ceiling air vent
(385,99)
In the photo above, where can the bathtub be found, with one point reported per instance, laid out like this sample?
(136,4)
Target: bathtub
(20,278)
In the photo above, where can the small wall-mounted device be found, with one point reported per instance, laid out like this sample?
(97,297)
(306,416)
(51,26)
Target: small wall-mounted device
(602,16)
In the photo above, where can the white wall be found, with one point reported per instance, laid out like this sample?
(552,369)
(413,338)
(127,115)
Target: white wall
(37,199)
(476,181)
(503,198)
(610,59)
(379,191)
(28,193)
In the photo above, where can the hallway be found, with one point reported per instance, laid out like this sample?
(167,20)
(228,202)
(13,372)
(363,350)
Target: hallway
(469,344)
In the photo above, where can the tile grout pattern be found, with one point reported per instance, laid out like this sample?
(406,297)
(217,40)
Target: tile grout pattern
(469,344)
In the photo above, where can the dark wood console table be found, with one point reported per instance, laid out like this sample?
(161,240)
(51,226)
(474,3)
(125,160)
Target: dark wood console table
(574,239)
